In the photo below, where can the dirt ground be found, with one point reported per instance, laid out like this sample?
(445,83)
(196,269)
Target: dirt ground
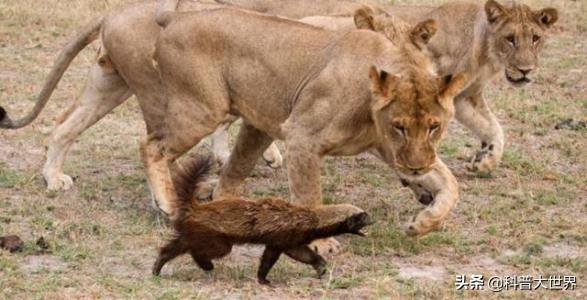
(527,218)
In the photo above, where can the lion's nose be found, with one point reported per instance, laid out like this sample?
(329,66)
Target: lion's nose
(525,71)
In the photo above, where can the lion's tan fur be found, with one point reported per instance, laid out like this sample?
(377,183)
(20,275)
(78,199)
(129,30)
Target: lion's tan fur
(210,70)
(473,38)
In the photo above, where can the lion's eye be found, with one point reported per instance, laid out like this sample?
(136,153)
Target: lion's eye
(511,39)
(433,128)
(400,129)
(536,39)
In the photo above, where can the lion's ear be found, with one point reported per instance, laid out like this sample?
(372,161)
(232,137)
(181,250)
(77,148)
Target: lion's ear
(451,86)
(382,86)
(364,18)
(546,17)
(494,11)
(423,32)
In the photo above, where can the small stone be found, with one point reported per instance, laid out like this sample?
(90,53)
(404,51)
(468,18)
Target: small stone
(12,243)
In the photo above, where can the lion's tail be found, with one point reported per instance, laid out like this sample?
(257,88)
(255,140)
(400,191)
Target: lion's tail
(165,11)
(73,47)
(186,180)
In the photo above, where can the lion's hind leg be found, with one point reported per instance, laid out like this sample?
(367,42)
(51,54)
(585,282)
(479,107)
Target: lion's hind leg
(104,90)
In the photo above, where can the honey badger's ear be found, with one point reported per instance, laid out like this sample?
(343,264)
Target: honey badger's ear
(546,17)
(364,18)
(494,11)
(382,86)
(423,32)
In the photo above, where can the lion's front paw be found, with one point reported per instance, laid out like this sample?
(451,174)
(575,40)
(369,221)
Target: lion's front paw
(206,189)
(58,182)
(162,208)
(485,160)
(326,246)
(273,157)
(418,228)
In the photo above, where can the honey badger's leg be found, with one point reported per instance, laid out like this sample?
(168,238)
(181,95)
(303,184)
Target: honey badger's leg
(474,113)
(269,258)
(305,255)
(250,144)
(104,90)
(203,263)
(172,250)
(445,190)
(206,249)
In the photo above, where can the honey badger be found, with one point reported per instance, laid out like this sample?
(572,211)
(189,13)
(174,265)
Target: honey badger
(209,230)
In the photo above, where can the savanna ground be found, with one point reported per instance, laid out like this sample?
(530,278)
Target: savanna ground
(527,218)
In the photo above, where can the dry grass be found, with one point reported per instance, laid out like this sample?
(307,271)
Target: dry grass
(529,217)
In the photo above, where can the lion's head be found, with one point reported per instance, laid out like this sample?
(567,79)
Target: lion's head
(412,106)
(412,39)
(411,116)
(518,35)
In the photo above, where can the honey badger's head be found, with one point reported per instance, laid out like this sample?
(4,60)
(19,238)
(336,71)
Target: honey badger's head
(343,218)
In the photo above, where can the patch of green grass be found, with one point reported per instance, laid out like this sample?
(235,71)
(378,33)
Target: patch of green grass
(575,265)
(372,179)
(492,229)
(7,262)
(522,164)
(9,178)
(345,282)
(170,294)
(547,198)
(73,231)
(73,252)
(533,249)
(262,192)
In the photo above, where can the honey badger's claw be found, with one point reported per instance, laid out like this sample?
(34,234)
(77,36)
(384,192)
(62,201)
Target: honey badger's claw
(320,269)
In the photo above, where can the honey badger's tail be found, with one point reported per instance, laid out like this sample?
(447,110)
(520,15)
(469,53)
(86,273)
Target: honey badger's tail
(187,177)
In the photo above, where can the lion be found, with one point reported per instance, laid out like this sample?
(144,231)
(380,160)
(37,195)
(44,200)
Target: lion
(499,38)
(505,38)
(123,68)
(483,41)
(386,95)
(114,78)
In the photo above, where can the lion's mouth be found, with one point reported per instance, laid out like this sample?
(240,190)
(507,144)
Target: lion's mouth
(520,81)
(414,173)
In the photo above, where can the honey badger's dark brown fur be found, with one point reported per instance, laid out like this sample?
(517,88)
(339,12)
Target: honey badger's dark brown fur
(208,231)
